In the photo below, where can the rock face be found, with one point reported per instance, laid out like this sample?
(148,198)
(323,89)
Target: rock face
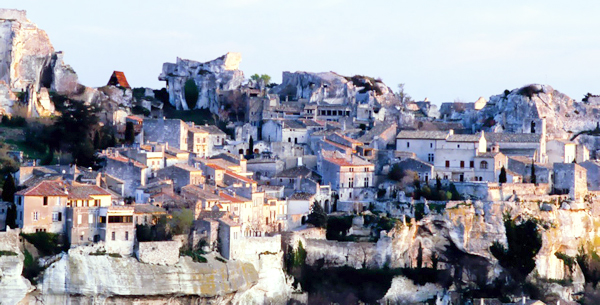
(91,277)
(332,88)
(221,74)
(512,111)
(28,61)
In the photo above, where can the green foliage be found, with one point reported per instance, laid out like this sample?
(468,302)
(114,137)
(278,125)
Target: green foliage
(264,77)
(567,260)
(251,145)
(524,241)
(31,267)
(317,216)
(222,260)
(9,189)
(191,92)
(7,253)
(156,232)
(195,255)
(589,262)
(15,121)
(533,176)
(402,95)
(129,133)
(181,222)
(502,177)
(337,227)
(420,257)
(46,243)
(140,110)
(454,192)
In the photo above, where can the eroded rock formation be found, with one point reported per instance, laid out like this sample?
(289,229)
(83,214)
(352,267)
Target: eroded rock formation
(221,74)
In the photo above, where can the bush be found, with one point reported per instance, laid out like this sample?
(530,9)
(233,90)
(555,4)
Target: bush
(317,216)
(47,243)
(337,227)
(191,92)
(7,253)
(31,268)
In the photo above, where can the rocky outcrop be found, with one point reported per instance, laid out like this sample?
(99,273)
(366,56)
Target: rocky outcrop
(92,277)
(332,88)
(512,111)
(221,74)
(28,61)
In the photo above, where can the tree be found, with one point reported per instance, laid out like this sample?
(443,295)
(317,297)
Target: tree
(523,242)
(9,189)
(420,257)
(502,177)
(438,183)
(402,95)
(251,145)
(317,216)
(191,93)
(129,133)
(181,222)
(264,77)
(533,176)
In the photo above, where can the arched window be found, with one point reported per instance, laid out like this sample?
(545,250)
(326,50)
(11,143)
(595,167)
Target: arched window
(483,165)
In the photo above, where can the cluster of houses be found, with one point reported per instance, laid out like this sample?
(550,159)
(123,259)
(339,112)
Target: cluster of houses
(264,179)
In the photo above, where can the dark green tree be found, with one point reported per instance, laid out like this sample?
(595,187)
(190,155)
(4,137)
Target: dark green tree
(533,176)
(191,92)
(317,216)
(523,241)
(251,145)
(129,133)
(9,189)
(502,177)
(73,132)
(420,257)
(438,183)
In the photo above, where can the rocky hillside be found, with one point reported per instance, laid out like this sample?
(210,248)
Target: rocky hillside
(333,88)
(564,116)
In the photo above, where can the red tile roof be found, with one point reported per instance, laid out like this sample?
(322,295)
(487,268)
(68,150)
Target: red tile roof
(239,177)
(86,191)
(125,160)
(45,188)
(234,199)
(118,78)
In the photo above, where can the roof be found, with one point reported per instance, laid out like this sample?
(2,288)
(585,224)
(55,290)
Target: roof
(211,129)
(375,131)
(195,190)
(421,134)
(301,196)
(292,124)
(45,188)
(489,154)
(341,160)
(86,191)
(118,78)
(415,165)
(239,177)
(463,137)
(234,199)
(187,167)
(503,137)
(148,209)
(300,171)
(126,160)
(135,118)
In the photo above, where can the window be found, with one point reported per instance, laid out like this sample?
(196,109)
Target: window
(56,216)
(79,219)
(36,216)
(112,237)
(430,158)
(45,200)
(351,169)
(350,182)
(81,237)
(447,163)
(366,181)
(458,146)
(462,164)
(366,169)
(407,144)
(471,164)
(90,218)
(97,202)
(483,165)
(126,235)
(430,145)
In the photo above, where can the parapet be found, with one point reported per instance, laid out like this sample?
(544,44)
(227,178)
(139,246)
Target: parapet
(11,14)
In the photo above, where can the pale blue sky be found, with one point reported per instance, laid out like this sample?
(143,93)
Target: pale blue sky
(442,50)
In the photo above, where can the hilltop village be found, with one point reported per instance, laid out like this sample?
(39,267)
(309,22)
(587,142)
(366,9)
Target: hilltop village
(226,189)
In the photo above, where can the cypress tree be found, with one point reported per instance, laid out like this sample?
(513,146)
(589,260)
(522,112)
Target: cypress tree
(502,178)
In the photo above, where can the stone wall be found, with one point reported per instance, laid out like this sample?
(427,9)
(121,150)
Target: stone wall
(9,240)
(250,249)
(159,252)
(8,14)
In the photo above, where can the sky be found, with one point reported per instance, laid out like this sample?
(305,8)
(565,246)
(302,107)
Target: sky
(440,50)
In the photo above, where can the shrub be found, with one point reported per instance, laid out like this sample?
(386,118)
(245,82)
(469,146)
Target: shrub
(317,216)
(7,253)
(337,227)
(46,243)
(31,268)
(191,92)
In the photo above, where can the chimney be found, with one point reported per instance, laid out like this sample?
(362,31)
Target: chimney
(451,132)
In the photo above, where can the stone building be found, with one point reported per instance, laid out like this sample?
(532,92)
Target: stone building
(229,232)
(132,173)
(182,175)
(171,131)
(570,178)
(350,176)
(119,228)
(561,151)
(593,174)
(423,169)
(43,208)
(86,204)
(265,167)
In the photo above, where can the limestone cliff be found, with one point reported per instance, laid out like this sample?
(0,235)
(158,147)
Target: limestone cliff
(512,110)
(221,74)
(332,88)
(77,277)
(28,62)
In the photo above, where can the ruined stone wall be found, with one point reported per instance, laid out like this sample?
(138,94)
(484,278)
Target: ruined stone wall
(9,240)
(9,14)
(159,252)
(250,249)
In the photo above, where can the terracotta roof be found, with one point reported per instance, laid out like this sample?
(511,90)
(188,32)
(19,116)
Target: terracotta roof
(135,118)
(85,191)
(125,160)
(118,78)
(346,161)
(45,188)
(239,177)
(214,166)
(234,199)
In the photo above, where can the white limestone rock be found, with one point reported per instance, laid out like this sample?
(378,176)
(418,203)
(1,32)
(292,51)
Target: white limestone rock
(221,74)
(404,291)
